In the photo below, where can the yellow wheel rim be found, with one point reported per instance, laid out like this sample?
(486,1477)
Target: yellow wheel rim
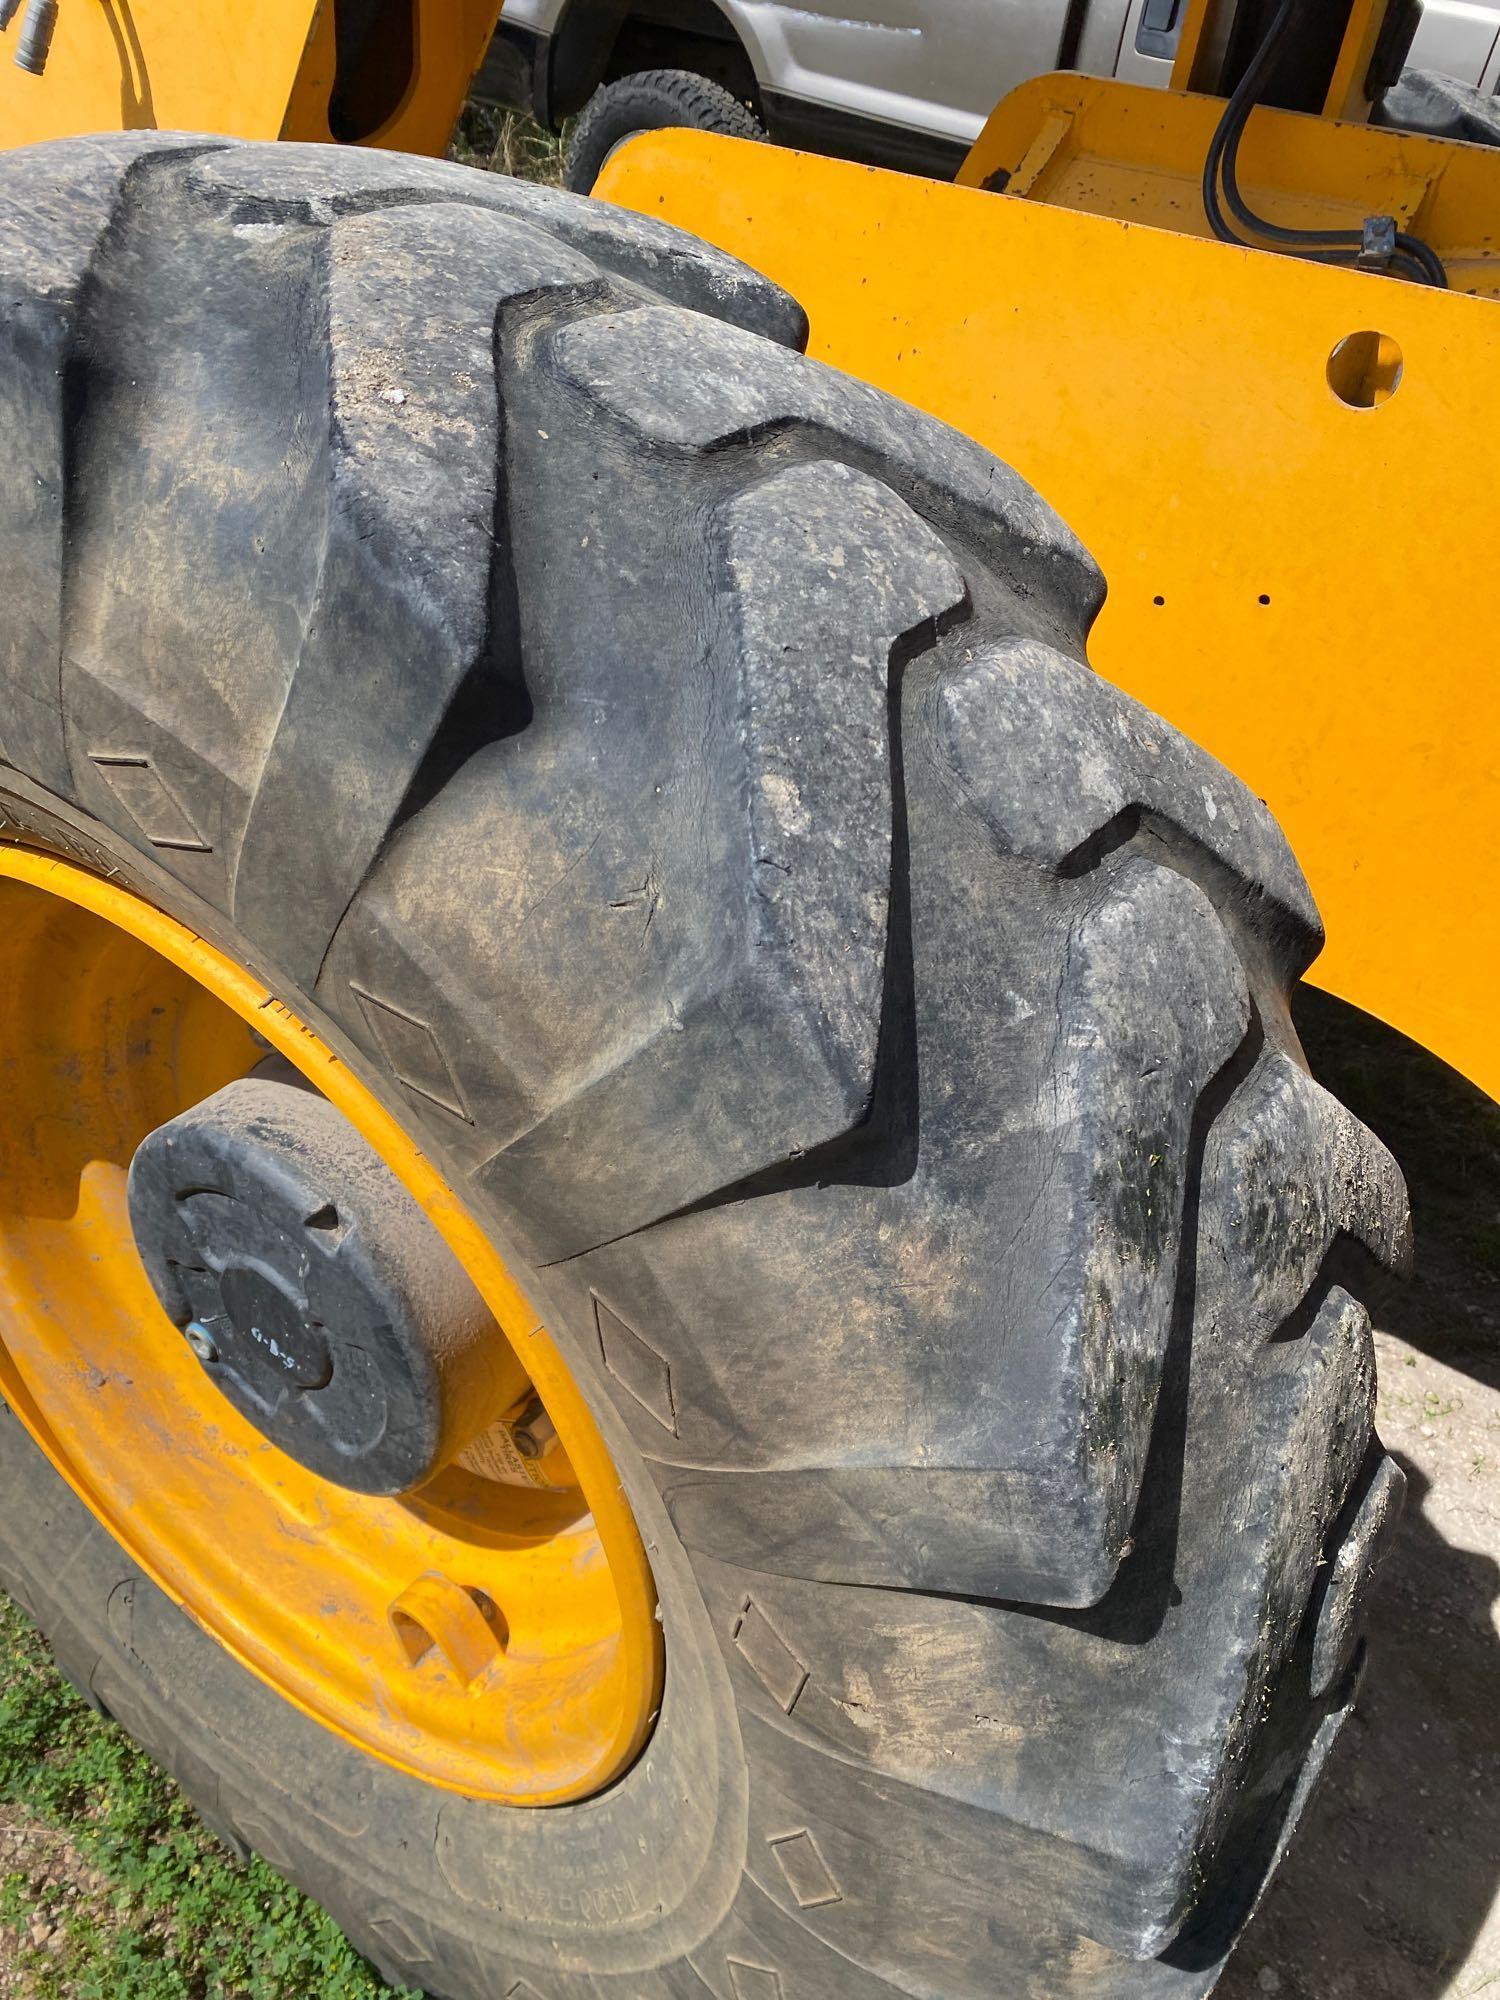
(497,1639)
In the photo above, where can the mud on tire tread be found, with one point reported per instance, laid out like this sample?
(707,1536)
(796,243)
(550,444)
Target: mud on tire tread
(670,770)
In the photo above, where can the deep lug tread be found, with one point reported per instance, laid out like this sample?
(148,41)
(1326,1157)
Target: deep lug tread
(777,1000)
(734,395)
(313,184)
(1116,770)
(871,1026)
(61,209)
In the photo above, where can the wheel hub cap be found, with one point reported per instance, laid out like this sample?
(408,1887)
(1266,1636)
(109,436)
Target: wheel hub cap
(331,1302)
(313,1290)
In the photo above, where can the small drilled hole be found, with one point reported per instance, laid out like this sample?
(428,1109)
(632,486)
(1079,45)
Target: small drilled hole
(1364,370)
(1158,600)
(1264,598)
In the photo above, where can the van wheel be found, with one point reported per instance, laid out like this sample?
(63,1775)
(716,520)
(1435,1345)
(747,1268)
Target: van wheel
(647,102)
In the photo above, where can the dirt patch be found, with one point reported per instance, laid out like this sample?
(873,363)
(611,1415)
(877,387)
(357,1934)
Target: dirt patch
(57,1881)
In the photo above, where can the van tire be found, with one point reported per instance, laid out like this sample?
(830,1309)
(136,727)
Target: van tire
(650,101)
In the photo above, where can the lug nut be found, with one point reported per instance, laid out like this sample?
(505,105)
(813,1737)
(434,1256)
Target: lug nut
(533,1431)
(202,1342)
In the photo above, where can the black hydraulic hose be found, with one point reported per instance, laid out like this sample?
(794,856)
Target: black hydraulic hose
(1410,251)
(1338,246)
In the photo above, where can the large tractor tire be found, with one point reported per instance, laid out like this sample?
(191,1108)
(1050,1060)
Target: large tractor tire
(647,789)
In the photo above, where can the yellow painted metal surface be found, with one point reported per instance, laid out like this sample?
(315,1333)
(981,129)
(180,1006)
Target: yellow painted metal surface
(1303,586)
(256,69)
(451,37)
(1203,44)
(1124,150)
(1345,96)
(168,65)
(496,1638)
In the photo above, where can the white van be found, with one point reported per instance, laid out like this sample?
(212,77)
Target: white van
(907,83)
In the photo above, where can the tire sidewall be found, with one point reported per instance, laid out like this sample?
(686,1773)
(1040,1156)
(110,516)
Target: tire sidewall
(626,1882)
(585,165)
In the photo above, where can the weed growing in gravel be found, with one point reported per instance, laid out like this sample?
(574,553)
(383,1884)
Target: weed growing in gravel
(503,142)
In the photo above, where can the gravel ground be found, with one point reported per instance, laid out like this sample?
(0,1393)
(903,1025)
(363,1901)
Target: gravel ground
(1388,1892)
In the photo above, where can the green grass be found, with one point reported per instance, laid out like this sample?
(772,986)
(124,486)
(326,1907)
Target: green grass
(141,1902)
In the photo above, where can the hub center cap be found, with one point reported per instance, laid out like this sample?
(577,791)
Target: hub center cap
(274,1333)
(313,1290)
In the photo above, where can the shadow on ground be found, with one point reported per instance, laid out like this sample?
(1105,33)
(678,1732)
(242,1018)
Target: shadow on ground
(1390,1881)
(1446,1135)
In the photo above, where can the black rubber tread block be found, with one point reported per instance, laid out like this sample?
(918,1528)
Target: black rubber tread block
(736,394)
(1371,1514)
(59,204)
(764,1038)
(199,465)
(1026,1485)
(395,575)
(1292,1184)
(317,183)
(413,582)
(1254,1526)
(1424,100)
(762,1951)
(1076,766)
(877,1886)
(633,847)
(1001,1721)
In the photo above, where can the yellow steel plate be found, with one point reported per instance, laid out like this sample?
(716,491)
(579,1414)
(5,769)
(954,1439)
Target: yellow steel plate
(1122,149)
(253,69)
(1304,587)
(165,65)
